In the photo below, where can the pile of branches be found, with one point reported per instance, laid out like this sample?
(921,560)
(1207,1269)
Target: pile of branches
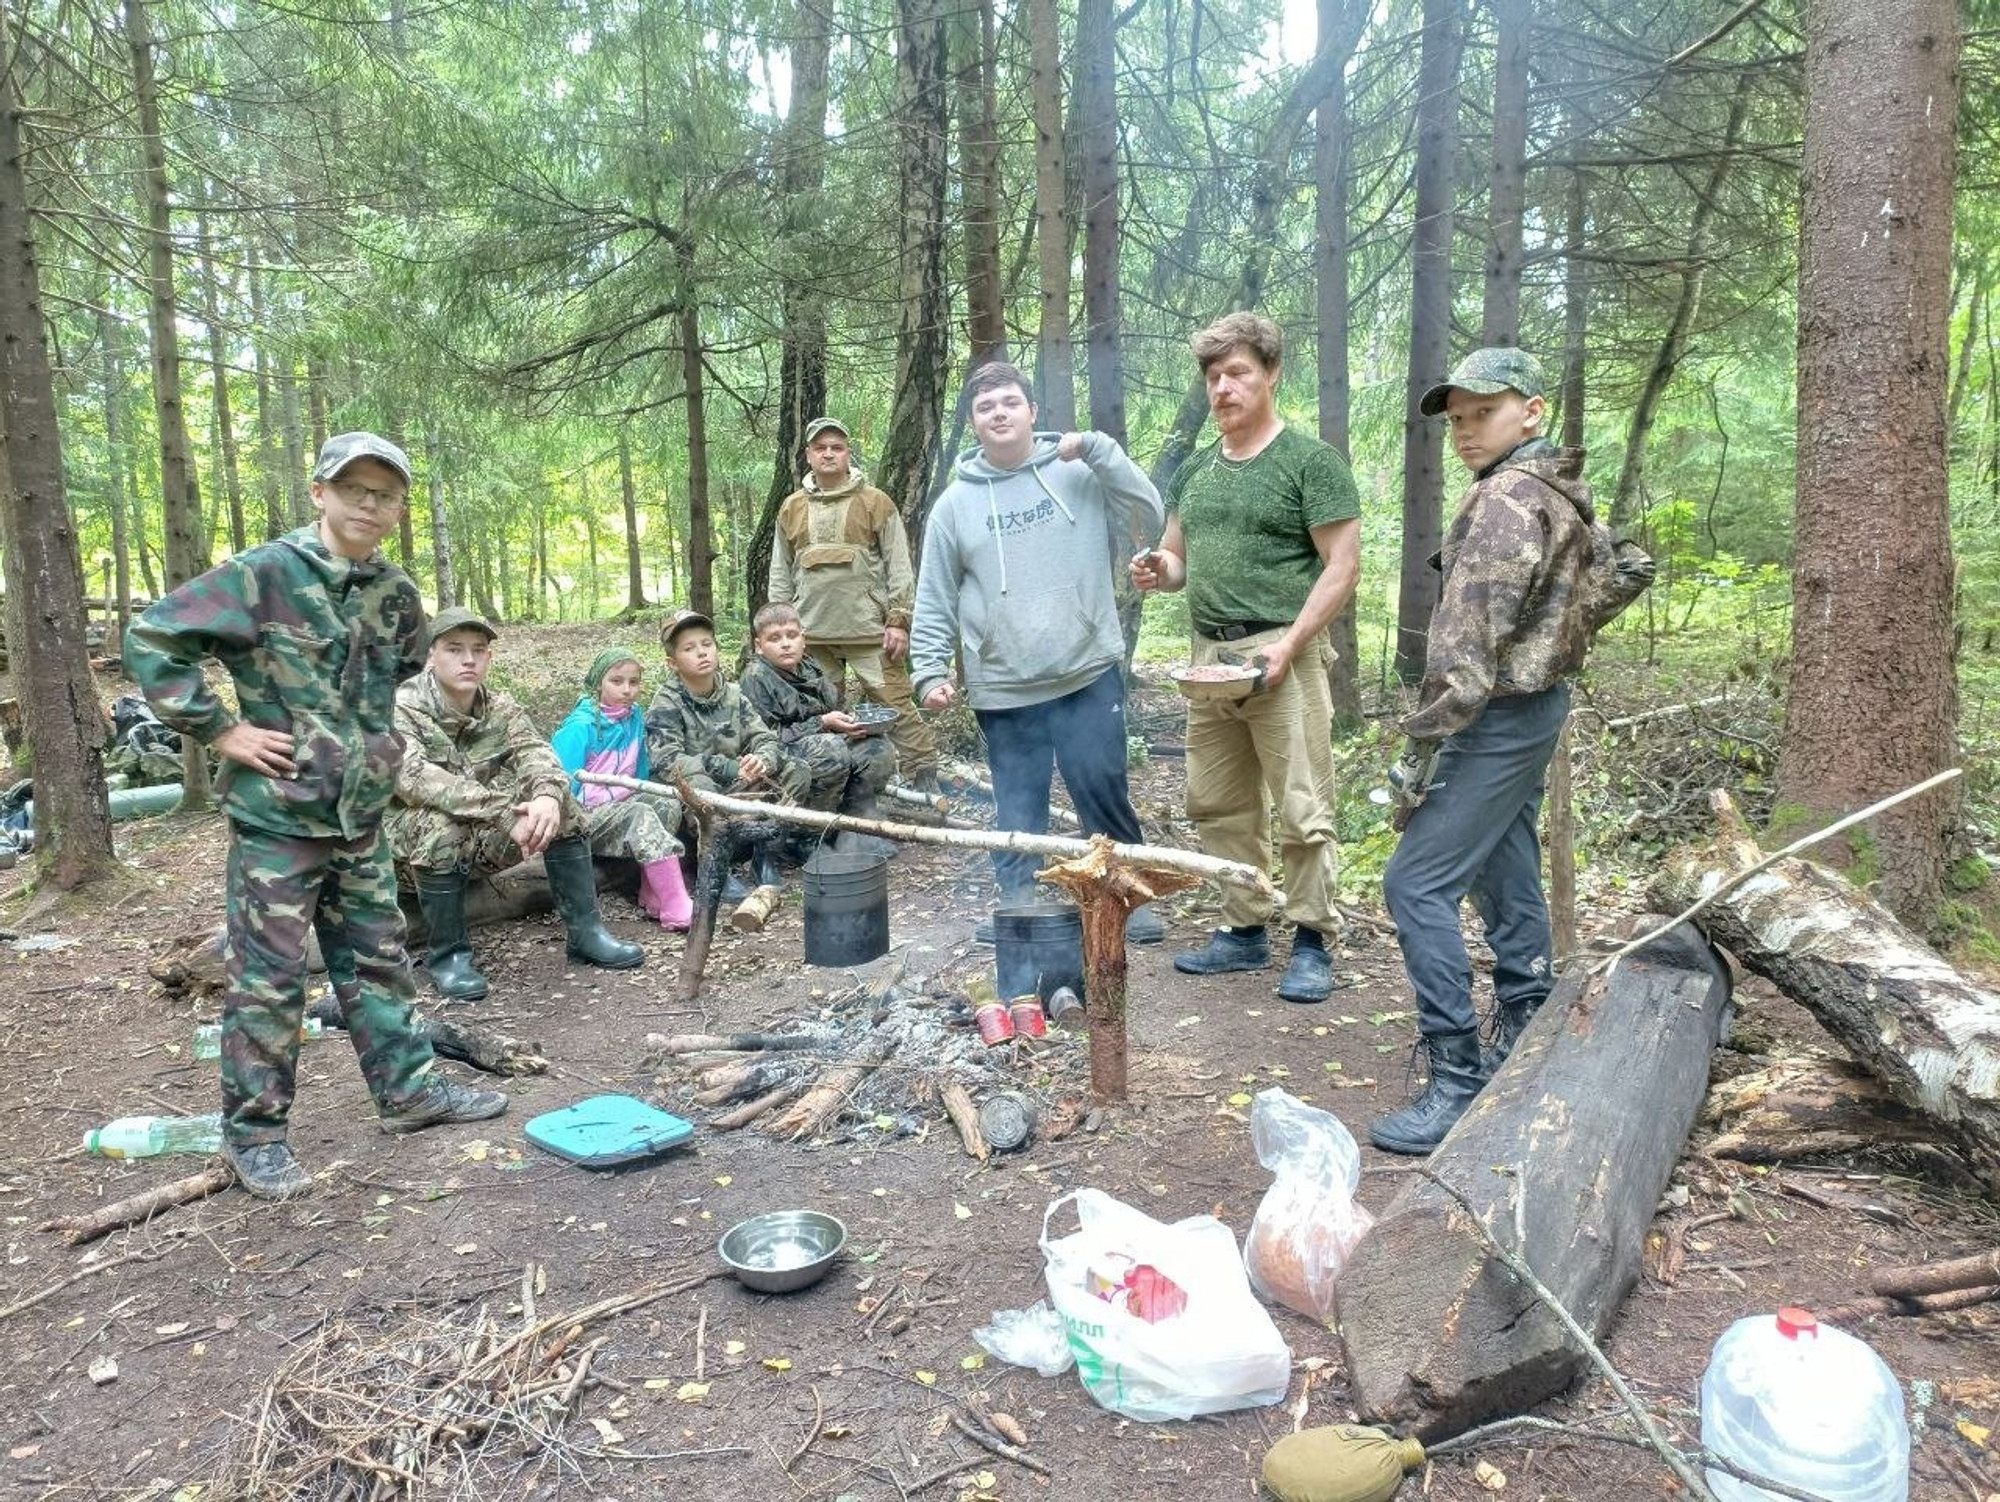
(1643,776)
(892,1060)
(446,1405)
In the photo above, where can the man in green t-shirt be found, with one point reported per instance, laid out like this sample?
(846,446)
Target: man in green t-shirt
(1264,533)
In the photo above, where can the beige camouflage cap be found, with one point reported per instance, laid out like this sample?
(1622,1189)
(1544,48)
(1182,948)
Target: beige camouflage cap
(447,621)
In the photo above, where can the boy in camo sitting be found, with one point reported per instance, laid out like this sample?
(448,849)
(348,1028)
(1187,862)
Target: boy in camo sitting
(846,766)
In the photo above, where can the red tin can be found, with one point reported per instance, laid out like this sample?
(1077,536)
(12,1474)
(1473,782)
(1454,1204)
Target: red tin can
(1030,1021)
(995,1023)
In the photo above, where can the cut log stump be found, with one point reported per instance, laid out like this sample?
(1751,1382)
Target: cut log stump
(1588,1116)
(1929,1033)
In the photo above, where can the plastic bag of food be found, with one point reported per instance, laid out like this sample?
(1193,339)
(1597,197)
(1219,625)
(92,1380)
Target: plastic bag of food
(1308,1224)
(1032,1337)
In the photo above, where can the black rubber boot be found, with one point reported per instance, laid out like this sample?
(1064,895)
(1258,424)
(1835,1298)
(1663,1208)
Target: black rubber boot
(1510,1020)
(447,951)
(574,884)
(1455,1082)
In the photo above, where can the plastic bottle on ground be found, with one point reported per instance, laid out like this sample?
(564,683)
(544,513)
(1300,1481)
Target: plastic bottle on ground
(1802,1403)
(149,1136)
(208,1037)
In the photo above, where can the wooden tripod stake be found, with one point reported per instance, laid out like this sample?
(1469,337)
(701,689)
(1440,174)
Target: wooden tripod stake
(1106,889)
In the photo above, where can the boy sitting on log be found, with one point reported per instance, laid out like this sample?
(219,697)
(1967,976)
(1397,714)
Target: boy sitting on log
(480,790)
(846,768)
(701,726)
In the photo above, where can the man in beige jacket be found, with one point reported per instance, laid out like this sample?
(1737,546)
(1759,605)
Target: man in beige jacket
(842,558)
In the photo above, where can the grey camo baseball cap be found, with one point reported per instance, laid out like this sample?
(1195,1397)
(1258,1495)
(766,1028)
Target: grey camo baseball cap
(1486,372)
(459,616)
(344,448)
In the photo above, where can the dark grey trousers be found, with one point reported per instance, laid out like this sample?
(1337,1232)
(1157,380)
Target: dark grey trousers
(1475,837)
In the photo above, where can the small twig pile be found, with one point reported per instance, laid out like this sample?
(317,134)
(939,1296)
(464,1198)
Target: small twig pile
(443,1406)
(1644,776)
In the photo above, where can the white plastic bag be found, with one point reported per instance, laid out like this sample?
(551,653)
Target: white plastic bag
(1220,1352)
(1307,1224)
(1031,1337)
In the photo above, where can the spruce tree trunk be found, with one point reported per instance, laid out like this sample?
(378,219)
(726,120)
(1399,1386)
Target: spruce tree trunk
(635,568)
(1097,126)
(923,127)
(117,464)
(186,543)
(802,366)
(701,534)
(442,561)
(269,484)
(297,474)
(1330,283)
(1873,697)
(316,400)
(49,661)
(1513,22)
(1055,355)
(1430,328)
(218,364)
(979,179)
(1576,296)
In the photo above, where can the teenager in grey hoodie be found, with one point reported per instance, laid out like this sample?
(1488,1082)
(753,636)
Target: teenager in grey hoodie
(1017,580)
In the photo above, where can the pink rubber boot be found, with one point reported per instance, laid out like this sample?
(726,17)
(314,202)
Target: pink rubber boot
(664,894)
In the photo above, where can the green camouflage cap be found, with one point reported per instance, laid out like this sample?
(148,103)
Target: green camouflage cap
(1486,372)
(447,621)
(678,622)
(821,425)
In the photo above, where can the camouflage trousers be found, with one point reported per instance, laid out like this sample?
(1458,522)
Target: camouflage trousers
(639,828)
(429,839)
(789,774)
(841,771)
(883,680)
(278,885)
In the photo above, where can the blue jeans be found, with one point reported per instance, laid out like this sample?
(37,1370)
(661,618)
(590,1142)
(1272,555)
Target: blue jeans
(1084,734)
(1474,836)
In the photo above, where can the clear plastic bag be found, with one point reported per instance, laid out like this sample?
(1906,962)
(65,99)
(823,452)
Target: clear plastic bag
(1308,1224)
(1032,1337)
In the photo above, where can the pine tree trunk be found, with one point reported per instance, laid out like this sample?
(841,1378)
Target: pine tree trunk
(186,546)
(923,126)
(979,179)
(802,366)
(635,568)
(1430,328)
(1513,22)
(1627,499)
(269,485)
(218,363)
(48,659)
(1872,556)
(1330,283)
(441,548)
(116,465)
(1055,355)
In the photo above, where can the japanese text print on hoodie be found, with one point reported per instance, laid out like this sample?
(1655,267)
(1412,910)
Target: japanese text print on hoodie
(1018,567)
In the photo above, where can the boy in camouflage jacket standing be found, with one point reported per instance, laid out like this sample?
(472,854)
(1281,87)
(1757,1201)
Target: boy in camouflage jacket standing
(481,789)
(1529,576)
(316,629)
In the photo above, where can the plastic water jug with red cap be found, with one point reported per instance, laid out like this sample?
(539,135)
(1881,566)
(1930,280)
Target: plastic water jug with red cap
(1802,1403)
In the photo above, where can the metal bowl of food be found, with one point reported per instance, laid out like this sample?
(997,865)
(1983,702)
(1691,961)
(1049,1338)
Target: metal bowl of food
(783,1251)
(1219,680)
(873,719)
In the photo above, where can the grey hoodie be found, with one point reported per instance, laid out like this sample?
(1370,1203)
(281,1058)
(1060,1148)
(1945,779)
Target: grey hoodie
(1018,568)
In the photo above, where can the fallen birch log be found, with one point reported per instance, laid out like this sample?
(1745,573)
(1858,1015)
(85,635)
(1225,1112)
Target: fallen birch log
(138,1208)
(1189,862)
(754,911)
(959,772)
(1929,1033)
(1804,1108)
(1584,1122)
(680,1043)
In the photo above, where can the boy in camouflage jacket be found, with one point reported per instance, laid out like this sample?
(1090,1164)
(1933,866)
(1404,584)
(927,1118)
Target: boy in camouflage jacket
(1529,576)
(480,790)
(790,694)
(316,629)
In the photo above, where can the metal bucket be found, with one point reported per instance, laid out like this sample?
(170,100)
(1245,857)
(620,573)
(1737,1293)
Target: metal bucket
(846,907)
(1038,947)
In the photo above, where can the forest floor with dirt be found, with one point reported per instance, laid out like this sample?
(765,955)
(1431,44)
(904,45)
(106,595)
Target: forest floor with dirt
(716,1392)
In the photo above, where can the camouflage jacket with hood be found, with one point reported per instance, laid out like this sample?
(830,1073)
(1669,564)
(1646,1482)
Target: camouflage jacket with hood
(476,765)
(702,735)
(1530,575)
(790,703)
(316,644)
(842,557)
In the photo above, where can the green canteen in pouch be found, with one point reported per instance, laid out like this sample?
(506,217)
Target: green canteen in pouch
(1340,1463)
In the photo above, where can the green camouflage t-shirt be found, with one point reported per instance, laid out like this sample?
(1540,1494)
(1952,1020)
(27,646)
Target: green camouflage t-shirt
(1250,553)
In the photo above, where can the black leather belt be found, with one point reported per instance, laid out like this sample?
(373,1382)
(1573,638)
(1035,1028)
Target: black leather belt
(1237,630)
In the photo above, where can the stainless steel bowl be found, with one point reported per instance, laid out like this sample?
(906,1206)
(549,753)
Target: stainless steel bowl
(783,1251)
